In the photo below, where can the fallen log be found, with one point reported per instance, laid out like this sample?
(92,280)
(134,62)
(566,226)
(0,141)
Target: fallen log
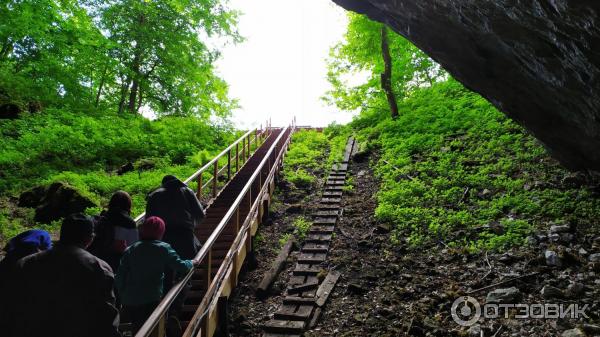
(271,274)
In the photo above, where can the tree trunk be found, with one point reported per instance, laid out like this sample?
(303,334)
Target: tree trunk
(386,76)
(102,81)
(135,83)
(140,100)
(124,90)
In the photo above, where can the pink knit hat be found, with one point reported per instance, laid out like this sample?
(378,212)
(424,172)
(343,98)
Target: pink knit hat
(152,229)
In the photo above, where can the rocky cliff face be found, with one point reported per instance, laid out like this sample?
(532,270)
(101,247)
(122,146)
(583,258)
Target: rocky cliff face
(538,61)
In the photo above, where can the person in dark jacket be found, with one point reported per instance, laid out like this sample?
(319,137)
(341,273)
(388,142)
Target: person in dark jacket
(139,279)
(115,230)
(181,211)
(27,243)
(66,291)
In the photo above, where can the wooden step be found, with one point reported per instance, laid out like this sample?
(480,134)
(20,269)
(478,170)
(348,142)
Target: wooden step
(322,229)
(304,269)
(312,258)
(311,247)
(318,238)
(299,300)
(284,326)
(332,220)
(294,312)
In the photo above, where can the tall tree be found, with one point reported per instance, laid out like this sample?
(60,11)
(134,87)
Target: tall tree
(373,68)
(386,76)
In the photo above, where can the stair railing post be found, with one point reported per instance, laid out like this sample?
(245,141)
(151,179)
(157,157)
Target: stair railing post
(228,165)
(199,194)
(215,178)
(249,231)
(237,157)
(235,255)
(243,149)
(248,142)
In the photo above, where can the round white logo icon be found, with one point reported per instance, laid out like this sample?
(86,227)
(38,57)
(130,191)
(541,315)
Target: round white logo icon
(466,311)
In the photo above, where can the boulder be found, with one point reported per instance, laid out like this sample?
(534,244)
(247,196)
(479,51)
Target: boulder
(9,111)
(574,290)
(551,292)
(506,295)
(573,333)
(595,258)
(33,197)
(560,229)
(125,168)
(552,258)
(60,200)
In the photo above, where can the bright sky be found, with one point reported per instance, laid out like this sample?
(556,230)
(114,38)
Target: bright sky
(280,70)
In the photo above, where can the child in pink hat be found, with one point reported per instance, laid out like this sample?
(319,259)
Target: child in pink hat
(139,279)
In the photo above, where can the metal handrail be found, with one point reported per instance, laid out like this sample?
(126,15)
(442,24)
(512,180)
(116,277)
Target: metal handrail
(160,311)
(246,141)
(243,230)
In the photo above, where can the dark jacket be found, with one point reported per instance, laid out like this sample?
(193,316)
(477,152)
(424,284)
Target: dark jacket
(24,244)
(176,204)
(115,231)
(142,271)
(67,292)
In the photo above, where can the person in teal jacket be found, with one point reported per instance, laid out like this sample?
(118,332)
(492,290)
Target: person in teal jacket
(140,276)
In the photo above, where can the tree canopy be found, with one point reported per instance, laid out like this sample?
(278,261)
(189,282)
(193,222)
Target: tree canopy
(122,55)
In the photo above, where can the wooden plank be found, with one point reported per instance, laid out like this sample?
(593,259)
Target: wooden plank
(318,237)
(284,326)
(276,267)
(332,194)
(326,220)
(297,279)
(268,334)
(305,269)
(315,318)
(298,288)
(327,213)
(326,287)
(311,258)
(322,229)
(312,247)
(325,207)
(299,300)
(331,200)
(294,312)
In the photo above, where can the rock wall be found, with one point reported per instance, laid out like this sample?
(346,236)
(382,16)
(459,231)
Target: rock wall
(538,61)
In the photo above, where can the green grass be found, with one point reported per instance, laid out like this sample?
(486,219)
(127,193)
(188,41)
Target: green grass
(85,150)
(452,164)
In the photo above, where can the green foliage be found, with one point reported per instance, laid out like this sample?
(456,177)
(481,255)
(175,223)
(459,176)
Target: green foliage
(348,185)
(453,167)
(305,157)
(122,55)
(284,238)
(39,147)
(301,228)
